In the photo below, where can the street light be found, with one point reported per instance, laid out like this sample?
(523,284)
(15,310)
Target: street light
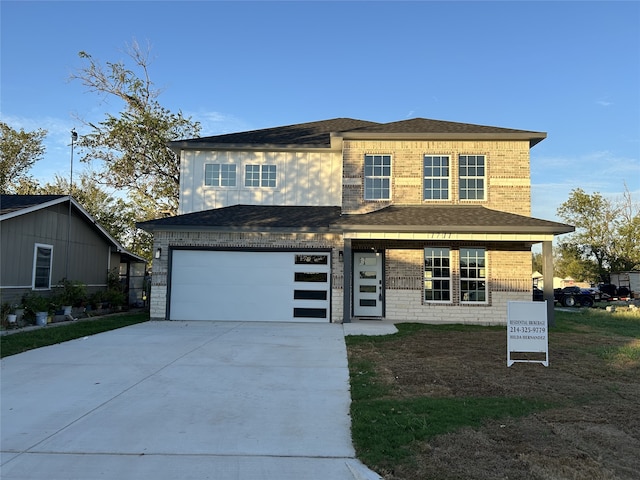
(74,138)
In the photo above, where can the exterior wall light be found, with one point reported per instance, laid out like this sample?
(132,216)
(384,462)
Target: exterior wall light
(158,252)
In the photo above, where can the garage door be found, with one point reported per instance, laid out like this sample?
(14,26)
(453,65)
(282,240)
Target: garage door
(250,286)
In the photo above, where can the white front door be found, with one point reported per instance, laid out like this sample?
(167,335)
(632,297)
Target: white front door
(367,284)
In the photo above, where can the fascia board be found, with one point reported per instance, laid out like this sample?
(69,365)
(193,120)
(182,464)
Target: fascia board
(177,147)
(457,229)
(533,137)
(33,208)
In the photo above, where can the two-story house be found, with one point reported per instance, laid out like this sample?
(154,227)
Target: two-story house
(417,220)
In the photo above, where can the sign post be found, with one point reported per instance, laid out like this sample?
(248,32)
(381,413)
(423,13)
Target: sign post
(527,331)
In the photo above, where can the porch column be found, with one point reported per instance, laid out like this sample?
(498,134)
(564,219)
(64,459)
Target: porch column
(347,265)
(547,277)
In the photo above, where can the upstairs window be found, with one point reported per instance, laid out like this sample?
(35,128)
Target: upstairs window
(472,177)
(473,281)
(377,177)
(260,176)
(436,177)
(42,259)
(217,175)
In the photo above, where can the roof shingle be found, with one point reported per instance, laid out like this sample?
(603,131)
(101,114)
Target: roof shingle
(395,218)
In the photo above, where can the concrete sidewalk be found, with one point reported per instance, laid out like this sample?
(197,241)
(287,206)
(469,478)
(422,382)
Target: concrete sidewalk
(182,400)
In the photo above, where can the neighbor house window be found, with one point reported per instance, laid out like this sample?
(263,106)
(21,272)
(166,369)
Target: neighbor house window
(436,177)
(260,176)
(437,274)
(220,175)
(473,272)
(42,259)
(377,177)
(472,177)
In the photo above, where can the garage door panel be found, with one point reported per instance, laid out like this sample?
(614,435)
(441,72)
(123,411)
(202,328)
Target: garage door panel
(249,286)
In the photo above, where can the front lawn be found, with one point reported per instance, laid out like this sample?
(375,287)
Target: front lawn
(439,402)
(50,335)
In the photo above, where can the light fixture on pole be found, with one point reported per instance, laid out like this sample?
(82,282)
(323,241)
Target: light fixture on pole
(74,138)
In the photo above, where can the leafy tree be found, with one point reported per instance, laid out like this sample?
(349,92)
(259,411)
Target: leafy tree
(626,244)
(19,150)
(133,145)
(570,262)
(117,215)
(607,231)
(537,262)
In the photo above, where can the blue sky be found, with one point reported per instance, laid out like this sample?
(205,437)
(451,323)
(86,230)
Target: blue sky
(571,69)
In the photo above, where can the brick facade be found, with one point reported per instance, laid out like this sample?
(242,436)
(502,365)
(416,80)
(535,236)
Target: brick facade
(507,173)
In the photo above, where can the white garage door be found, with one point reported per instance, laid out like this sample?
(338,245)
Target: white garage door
(250,286)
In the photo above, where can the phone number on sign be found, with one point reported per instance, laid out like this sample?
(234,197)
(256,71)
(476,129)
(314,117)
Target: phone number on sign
(527,329)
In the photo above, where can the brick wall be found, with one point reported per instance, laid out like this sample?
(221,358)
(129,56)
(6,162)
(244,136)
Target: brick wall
(508,184)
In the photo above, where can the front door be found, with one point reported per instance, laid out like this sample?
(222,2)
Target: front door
(367,284)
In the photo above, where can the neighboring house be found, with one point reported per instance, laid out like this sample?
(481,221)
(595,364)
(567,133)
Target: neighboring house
(417,220)
(40,245)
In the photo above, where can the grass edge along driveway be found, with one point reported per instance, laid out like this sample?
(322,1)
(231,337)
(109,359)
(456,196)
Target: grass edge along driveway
(19,342)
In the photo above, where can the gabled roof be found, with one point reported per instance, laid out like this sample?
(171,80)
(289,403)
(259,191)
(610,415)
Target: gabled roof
(395,218)
(25,203)
(12,206)
(313,134)
(329,133)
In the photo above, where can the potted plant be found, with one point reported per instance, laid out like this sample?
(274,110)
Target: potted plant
(18,310)
(39,306)
(72,294)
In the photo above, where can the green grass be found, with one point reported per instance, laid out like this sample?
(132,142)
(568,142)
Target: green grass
(625,323)
(407,329)
(42,337)
(384,431)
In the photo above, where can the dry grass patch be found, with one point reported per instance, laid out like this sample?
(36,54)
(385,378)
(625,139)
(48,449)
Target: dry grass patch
(447,397)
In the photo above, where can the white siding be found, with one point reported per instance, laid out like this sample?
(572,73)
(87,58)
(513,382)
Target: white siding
(303,178)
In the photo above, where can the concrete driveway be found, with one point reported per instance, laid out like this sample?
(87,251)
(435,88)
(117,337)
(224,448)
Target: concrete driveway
(182,400)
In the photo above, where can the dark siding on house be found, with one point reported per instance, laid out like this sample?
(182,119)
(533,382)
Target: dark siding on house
(89,252)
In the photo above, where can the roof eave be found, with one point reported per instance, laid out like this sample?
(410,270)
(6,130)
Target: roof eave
(545,230)
(533,137)
(222,229)
(177,147)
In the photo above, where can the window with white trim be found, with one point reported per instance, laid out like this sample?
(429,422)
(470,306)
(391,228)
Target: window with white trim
(473,272)
(471,177)
(260,176)
(437,274)
(42,261)
(377,177)
(220,175)
(436,177)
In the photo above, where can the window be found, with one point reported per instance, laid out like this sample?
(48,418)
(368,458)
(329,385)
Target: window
(471,175)
(437,274)
(42,259)
(473,285)
(216,175)
(377,177)
(260,176)
(436,177)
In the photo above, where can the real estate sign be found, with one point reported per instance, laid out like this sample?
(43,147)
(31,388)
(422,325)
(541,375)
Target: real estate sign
(527,333)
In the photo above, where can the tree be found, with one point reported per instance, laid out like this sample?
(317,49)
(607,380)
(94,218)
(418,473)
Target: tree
(19,150)
(570,262)
(115,214)
(607,231)
(133,145)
